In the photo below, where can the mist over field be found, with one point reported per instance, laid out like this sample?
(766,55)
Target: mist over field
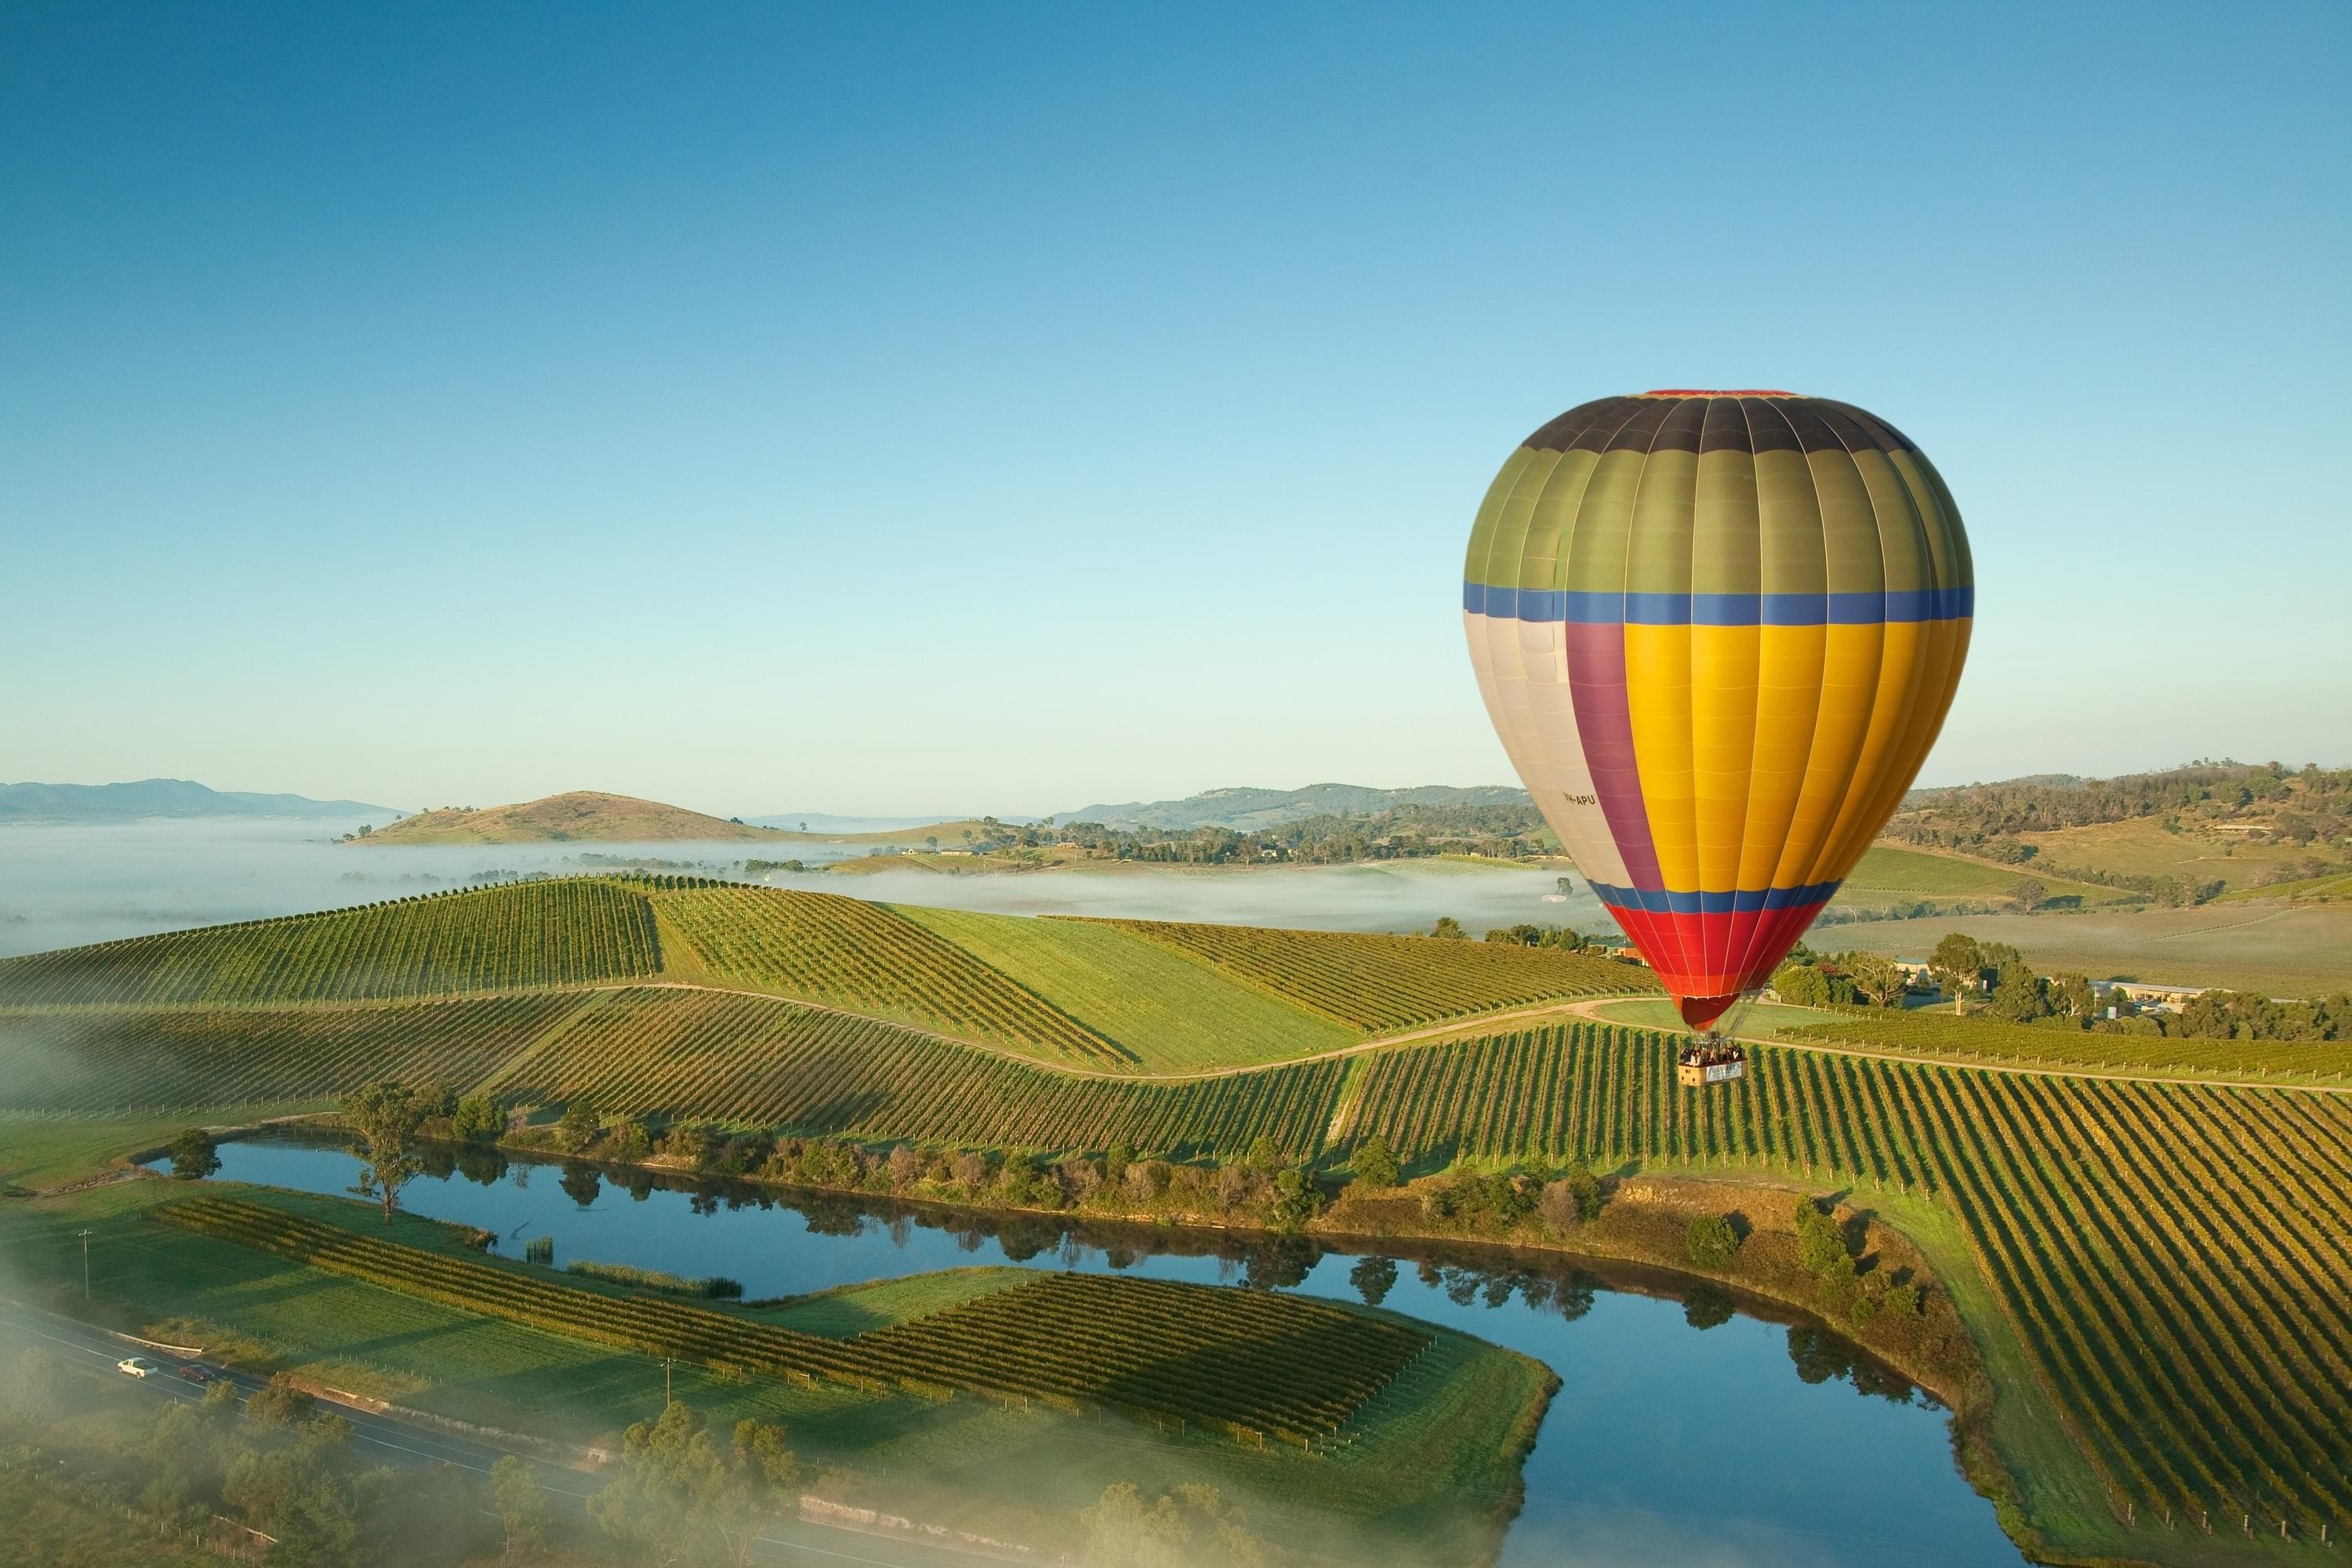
(65,886)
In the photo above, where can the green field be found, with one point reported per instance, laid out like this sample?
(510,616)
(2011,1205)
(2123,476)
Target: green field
(1889,868)
(1935,1033)
(1380,984)
(1430,1451)
(1173,1012)
(2279,950)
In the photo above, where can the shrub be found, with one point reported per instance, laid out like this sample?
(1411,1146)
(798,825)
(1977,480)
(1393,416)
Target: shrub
(192,1155)
(476,1120)
(1376,1163)
(1711,1242)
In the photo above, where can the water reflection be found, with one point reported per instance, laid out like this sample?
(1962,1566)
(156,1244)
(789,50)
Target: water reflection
(1662,1378)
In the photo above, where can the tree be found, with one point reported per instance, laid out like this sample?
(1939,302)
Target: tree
(520,1503)
(476,1120)
(1189,1526)
(680,1495)
(1450,929)
(1801,986)
(1958,964)
(1879,981)
(1265,1156)
(1374,1278)
(386,1116)
(579,1127)
(279,1403)
(192,1155)
(1376,1163)
(1296,1199)
(2029,893)
(1711,1242)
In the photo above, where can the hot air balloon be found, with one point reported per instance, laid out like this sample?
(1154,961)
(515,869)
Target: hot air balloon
(1718,632)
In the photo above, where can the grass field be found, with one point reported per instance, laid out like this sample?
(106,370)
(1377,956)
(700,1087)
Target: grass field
(1430,1455)
(2278,950)
(2140,847)
(41,1152)
(1385,982)
(1174,1013)
(846,953)
(1890,869)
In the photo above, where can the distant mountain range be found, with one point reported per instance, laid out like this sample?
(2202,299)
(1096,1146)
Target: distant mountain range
(1245,809)
(55,803)
(586,816)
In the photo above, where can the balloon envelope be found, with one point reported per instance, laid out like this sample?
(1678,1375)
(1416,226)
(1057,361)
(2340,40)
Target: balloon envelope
(1718,632)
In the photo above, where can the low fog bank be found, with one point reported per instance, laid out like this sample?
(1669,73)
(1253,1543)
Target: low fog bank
(63,886)
(1384,896)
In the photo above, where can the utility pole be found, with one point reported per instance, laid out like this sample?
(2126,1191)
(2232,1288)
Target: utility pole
(666,1399)
(85,1235)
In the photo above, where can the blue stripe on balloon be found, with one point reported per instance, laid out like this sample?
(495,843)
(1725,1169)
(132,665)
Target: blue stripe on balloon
(1747,901)
(1843,609)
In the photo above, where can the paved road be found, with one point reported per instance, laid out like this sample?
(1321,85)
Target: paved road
(396,1441)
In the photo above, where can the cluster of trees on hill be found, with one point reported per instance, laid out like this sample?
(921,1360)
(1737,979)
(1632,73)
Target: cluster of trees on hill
(1410,832)
(2312,805)
(2006,987)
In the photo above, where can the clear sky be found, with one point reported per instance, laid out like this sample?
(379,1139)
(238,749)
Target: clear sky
(887,409)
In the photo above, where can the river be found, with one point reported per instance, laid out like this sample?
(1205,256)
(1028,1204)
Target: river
(1744,1443)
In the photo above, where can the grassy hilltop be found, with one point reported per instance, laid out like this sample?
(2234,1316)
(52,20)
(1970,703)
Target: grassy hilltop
(587,816)
(2154,1271)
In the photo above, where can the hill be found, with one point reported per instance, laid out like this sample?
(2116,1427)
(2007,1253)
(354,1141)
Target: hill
(2154,1271)
(1244,809)
(56,802)
(586,816)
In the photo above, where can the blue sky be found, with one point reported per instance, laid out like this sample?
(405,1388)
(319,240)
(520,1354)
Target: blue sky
(888,409)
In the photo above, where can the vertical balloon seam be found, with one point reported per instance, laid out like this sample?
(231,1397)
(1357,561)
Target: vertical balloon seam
(1828,853)
(1625,623)
(1758,926)
(1767,930)
(1881,787)
(1743,922)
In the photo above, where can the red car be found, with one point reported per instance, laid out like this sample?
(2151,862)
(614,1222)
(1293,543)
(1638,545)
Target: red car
(194,1372)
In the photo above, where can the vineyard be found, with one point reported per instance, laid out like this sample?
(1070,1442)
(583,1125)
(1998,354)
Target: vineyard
(2177,1258)
(1939,1034)
(1174,1012)
(524,935)
(765,1062)
(1382,983)
(1153,1349)
(846,953)
(85,1061)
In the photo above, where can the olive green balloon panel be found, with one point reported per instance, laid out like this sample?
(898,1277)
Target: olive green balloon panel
(1718,633)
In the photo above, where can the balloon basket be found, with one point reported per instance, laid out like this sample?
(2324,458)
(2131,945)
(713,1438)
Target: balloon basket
(1709,1059)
